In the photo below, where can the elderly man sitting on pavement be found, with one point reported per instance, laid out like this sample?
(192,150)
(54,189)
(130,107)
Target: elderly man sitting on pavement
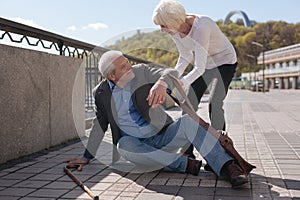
(129,100)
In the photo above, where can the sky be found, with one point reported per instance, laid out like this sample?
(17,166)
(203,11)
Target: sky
(101,22)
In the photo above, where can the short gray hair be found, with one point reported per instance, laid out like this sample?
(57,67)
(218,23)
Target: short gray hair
(169,13)
(105,63)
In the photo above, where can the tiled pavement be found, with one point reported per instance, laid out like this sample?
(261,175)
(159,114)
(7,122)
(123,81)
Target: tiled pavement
(265,129)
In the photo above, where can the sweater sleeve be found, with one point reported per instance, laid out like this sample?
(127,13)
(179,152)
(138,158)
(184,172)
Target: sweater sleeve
(185,57)
(201,39)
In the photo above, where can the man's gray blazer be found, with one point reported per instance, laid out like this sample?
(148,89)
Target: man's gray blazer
(106,113)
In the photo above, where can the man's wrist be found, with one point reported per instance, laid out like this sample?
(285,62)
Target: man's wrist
(161,82)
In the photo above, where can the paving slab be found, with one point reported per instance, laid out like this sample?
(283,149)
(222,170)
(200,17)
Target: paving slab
(265,128)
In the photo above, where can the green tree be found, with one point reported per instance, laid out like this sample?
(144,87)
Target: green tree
(159,47)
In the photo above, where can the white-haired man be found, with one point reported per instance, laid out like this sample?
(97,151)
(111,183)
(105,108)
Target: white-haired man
(143,133)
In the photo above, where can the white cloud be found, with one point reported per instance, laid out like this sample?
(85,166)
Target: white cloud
(96,26)
(26,22)
(72,28)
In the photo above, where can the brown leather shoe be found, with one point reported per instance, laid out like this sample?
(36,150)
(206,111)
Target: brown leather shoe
(235,174)
(193,166)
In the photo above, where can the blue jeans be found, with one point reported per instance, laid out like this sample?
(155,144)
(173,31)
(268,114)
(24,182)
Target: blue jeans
(162,149)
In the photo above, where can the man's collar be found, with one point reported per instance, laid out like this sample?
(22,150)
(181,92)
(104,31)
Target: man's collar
(111,85)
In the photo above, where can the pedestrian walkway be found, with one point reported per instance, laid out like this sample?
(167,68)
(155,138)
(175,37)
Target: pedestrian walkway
(265,128)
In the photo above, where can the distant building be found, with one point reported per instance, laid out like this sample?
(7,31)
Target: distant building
(282,67)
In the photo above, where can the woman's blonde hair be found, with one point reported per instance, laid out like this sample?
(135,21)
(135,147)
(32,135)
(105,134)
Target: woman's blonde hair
(169,13)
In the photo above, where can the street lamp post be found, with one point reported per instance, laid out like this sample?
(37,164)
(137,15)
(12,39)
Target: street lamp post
(263,55)
(254,69)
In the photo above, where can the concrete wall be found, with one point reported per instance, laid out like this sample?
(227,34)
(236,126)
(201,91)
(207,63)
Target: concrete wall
(37,101)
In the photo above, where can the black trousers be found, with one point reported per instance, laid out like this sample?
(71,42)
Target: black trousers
(223,76)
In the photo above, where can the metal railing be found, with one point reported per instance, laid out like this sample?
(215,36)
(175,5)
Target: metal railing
(64,46)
